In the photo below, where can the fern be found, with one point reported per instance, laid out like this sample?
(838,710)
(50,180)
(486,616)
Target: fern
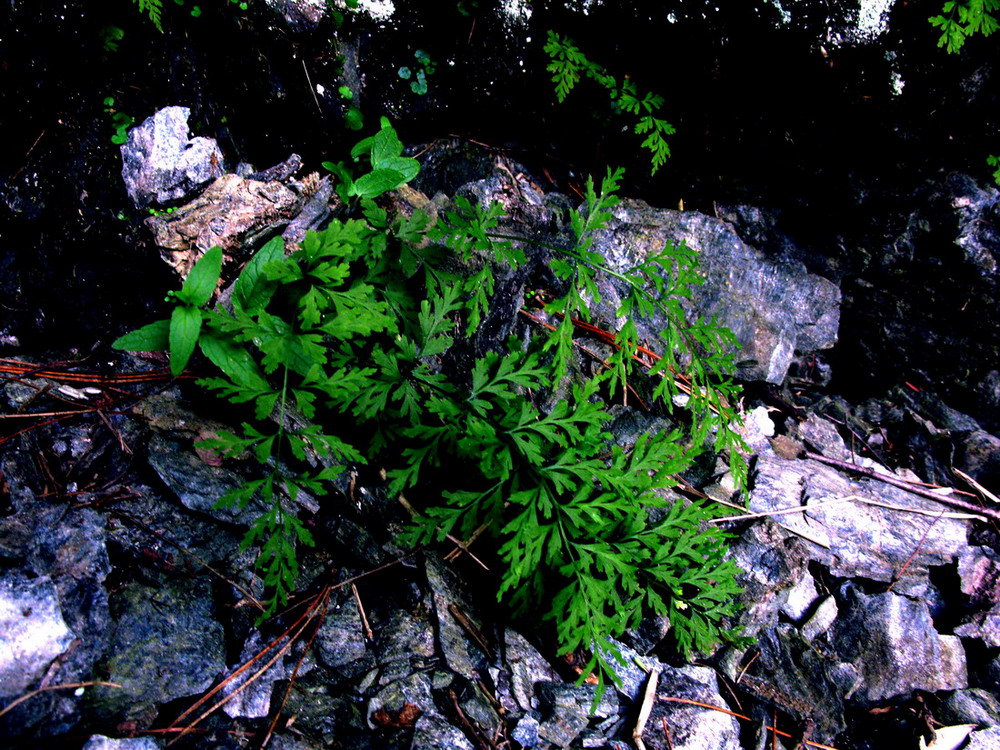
(568,65)
(153,9)
(355,326)
(960,19)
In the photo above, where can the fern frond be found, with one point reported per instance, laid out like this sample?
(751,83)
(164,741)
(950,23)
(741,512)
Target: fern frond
(153,9)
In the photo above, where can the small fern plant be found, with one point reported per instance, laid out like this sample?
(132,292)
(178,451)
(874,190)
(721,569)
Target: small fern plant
(568,64)
(342,349)
(960,19)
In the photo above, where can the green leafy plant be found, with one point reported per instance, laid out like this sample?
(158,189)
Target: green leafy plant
(960,19)
(355,327)
(119,120)
(994,161)
(423,68)
(153,9)
(110,36)
(389,168)
(568,64)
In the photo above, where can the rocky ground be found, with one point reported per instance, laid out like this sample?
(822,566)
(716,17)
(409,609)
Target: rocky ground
(127,609)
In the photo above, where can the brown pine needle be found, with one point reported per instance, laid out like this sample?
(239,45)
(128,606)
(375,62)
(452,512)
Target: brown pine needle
(741,716)
(65,686)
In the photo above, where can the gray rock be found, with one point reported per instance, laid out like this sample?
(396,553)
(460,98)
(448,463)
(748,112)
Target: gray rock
(976,209)
(340,639)
(984,626)
(568,709)
(32,632)
(300,15)
(167,644)
(773,564)
(979,572)
(405,635)
(821,619)
(433,733)
(161,163)
(775,308)
(858,539)
(978,455)
(972,706)
(691,727)
(821,436)
(525,732)
(248,695)
(410,695)
(891,641)
(983,739)
(461,652)
(100,742)
(527,667)
(801,597)
(197,484)
(800,681)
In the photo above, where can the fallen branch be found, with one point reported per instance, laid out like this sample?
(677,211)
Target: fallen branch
(908,486)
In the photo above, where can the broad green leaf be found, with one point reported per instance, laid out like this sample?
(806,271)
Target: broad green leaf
(154,337)
(406,166)
(385,145)
(234,360)
(202,279)
(377,182)
(185,325)
(253,290)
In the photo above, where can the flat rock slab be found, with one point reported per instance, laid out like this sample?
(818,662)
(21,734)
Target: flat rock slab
(167,645)
(891,642)
(849,527)
(32,632)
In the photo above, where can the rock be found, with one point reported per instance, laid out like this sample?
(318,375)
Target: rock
(979,572)
(821,619)
(197,484)
(891,642)
(161,163)
(983,739)
(821,435)
(987,401)
(230,213)
(166,645)
(527,667)
(402,702)
(775,308)
(972,706)
(32,632)
(433,733)
(453,607)
(691,727)
(340,639)
(800,681)
(773,564)
(525,732)
(857,538)
(801,597)
(405,635)
(977,208)
(978,455)
(251,698)
(300,16)
(566,710)
(100,742)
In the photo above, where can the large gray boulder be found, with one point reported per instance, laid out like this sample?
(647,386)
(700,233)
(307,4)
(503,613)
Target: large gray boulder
(775,307)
